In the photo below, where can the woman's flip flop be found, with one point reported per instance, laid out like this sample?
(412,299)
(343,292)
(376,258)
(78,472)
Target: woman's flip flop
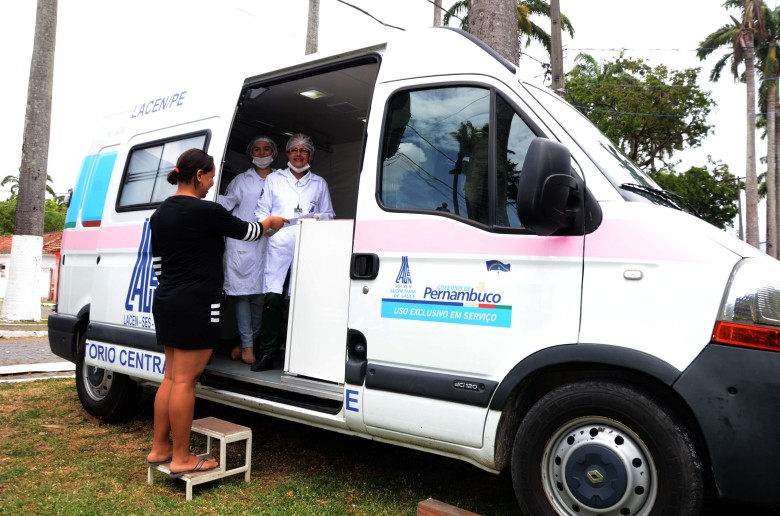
(198,467)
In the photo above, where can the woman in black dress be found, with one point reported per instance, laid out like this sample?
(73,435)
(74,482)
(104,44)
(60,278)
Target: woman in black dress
(187,246)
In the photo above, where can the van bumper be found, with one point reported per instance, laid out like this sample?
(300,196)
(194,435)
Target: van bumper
(63,332)
(735,395)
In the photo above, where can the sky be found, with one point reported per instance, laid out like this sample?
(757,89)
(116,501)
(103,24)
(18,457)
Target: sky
(107,51)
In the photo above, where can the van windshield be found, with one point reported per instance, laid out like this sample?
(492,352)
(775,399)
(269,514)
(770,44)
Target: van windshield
(632,182)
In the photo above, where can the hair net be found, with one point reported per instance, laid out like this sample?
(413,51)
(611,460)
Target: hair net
(260,139)
(302,140)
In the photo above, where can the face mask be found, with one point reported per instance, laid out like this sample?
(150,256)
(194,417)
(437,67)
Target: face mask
(296,169)
(263,162)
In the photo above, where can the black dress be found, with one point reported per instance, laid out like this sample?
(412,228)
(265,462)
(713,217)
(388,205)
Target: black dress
(188,241)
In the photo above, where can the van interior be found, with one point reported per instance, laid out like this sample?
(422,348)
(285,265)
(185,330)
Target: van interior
(329,104)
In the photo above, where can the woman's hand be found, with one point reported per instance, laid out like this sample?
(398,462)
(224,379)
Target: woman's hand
(274,223)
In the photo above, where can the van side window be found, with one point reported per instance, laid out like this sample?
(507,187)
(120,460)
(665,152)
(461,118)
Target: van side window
(439,155)
(147,168)
(513,139)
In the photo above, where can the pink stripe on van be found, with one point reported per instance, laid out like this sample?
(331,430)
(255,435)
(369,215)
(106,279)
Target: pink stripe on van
(107,237)
(615,240)
(447,236)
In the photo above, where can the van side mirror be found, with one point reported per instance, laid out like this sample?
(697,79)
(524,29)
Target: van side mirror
(550,197)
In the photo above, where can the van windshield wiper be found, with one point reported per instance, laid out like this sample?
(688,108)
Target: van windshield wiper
(656,194)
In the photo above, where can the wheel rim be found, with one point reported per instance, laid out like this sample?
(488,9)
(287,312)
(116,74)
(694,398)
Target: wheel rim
(97,382)
(595,465)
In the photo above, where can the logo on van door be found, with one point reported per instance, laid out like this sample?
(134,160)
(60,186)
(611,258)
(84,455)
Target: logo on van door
(495,265)
(454,303)
(403,288)
(143,283)
(404,275)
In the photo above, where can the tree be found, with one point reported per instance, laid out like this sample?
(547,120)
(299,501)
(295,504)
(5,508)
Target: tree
(528,31)
(649,113)
(437,10)
(741,36)
(711,193)
(313,27)
(492,21)
(53,218)
(23,302)
(767,53)
(14,182)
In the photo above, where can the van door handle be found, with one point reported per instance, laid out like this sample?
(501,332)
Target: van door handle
(364,266)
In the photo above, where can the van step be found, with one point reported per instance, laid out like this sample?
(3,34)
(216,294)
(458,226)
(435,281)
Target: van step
(295,395)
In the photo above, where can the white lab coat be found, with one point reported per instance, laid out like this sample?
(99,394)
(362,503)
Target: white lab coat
(243,261)
(281,196)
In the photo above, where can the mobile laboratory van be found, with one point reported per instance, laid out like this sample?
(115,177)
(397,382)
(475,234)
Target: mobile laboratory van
(501,285)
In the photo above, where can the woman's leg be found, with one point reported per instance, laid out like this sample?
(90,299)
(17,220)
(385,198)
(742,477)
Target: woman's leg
(161,444)
(188,365)
(244,320)
(256,308)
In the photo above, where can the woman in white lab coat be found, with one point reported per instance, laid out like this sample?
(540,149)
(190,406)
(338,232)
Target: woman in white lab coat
(292,193)
(243,261)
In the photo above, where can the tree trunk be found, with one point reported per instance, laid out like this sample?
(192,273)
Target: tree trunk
(437,13)
(313,27)
(23,293)
(776,215)
(556,50)
(751,179)
(771,171)
(495,23)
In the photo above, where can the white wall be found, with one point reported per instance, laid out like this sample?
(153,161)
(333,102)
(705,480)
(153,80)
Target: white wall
(48,264)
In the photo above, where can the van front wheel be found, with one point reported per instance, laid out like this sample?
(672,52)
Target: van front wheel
(106,395)
(603,447)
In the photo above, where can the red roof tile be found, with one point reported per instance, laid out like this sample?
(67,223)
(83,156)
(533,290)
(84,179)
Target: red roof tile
(51,243)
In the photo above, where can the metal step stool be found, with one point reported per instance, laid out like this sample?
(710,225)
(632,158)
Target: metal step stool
(225,432)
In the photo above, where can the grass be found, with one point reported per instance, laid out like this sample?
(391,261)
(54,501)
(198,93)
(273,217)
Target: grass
(53,460)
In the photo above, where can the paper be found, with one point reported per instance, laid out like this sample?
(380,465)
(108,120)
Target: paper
(294,220)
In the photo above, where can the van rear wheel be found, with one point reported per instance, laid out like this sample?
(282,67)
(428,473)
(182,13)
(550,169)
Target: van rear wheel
(106,395)
(607,448)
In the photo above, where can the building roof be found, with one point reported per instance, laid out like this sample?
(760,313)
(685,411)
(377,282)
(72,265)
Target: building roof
(51,243)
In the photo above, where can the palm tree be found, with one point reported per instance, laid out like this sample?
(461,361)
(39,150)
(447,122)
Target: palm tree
(21,301)
(437,13)
(741,36)
(769,60)
(528,31)
(590,67)
(14,182)
(493,23)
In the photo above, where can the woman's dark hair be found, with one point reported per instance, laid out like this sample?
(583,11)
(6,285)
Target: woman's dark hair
(188,164)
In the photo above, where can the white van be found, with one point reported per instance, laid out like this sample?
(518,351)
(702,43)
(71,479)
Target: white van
(500,285)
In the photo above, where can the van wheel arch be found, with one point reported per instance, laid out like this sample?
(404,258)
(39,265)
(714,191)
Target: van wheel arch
(533,387)
(640,457)
(106,395)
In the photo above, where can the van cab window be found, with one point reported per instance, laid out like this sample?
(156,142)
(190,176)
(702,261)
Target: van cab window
(145,181)
(439,154)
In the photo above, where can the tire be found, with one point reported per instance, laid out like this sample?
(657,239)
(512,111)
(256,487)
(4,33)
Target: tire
(106,395)
(606,448)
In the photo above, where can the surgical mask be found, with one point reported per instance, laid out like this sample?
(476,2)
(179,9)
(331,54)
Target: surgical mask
(263,162)
(296,169)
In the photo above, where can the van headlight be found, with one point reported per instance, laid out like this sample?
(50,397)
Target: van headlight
(750,312)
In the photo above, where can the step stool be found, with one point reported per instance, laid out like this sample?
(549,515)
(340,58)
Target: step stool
(225,432)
